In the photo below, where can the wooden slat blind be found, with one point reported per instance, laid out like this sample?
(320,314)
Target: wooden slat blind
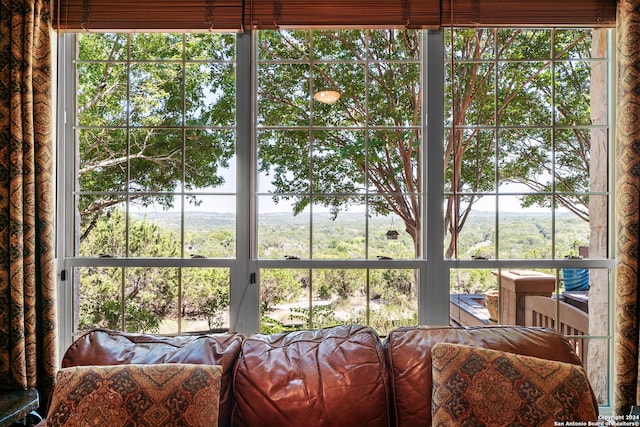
(149,15)
(269,14)
(520,13)
(235,15)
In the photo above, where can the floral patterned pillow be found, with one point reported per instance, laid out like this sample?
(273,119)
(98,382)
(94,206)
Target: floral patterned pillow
(480,387)
(155,395)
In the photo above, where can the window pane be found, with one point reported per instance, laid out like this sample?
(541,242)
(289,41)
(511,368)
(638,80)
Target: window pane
(102,94)
(102,226)
(393,91)
(572,89)
(155,162)
(156,46)
(209,160)
(153,231)
(470,43)
(151,299)
(283,45)
(523,96)
(293,299)
(387,234)
(205,299)
(526,160)
(573,43)
(101,46)
(210,96)
(210,227)
(210,46)
(339,45)
(131,299)
(572,235)
(478,238)
(103,159)
(350,81)
(339,235)
(283,95)
(156,94)
(475,99)
(98,298)
(283,161)
(475,171)
(281,233)
(337,157)
(525,235)
(527,43)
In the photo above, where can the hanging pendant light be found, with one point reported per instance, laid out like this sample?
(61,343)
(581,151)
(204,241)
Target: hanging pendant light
(327,96)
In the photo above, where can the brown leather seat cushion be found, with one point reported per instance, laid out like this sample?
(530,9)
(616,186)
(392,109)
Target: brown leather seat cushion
(328,377)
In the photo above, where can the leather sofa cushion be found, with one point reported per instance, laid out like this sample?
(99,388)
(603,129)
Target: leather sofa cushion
(328,377)
(408,352)
(106,347)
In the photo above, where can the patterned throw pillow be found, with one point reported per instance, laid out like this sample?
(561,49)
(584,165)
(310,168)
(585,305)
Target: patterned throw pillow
(479,387)
(165,395)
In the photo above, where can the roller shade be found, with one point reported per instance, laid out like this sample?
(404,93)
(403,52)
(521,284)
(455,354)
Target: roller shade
(528,13)
(270,14)
(149,15)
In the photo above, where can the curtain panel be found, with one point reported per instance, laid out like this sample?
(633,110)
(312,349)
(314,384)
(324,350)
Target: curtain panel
(627,337)
(28,354)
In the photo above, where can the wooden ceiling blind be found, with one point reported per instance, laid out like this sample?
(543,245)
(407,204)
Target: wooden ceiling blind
(271,14)
(529,13)
(149,15)
(235,15)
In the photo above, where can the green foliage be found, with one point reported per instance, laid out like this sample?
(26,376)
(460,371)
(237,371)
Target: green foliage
(520,96)
(205,292)
(149,293)
(180,116)
(344,159)
(277,286)
(343,283)
(321,316)
(269,325)
(149,159)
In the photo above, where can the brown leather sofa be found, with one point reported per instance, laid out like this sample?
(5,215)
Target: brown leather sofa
(340,376)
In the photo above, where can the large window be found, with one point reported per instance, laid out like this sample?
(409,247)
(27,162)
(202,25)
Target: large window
(454,177)
(526,183)
(337,179)
(152,138)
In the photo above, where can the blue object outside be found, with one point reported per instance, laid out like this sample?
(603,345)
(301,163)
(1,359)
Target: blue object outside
(575,279)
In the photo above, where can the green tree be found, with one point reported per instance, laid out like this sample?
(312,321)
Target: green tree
(387,93)
(530,95)
(119,85)
(205,292)
(340,161)
(148,293)
(278,286)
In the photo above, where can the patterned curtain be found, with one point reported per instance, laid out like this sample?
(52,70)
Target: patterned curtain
(27,275)
(627,389)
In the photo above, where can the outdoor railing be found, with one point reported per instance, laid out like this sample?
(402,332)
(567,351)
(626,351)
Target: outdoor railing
(543,311)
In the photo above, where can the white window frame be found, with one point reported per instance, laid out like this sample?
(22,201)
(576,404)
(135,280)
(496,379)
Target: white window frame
(434,270)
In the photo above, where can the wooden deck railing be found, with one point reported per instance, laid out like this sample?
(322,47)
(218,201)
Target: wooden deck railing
(544,311)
